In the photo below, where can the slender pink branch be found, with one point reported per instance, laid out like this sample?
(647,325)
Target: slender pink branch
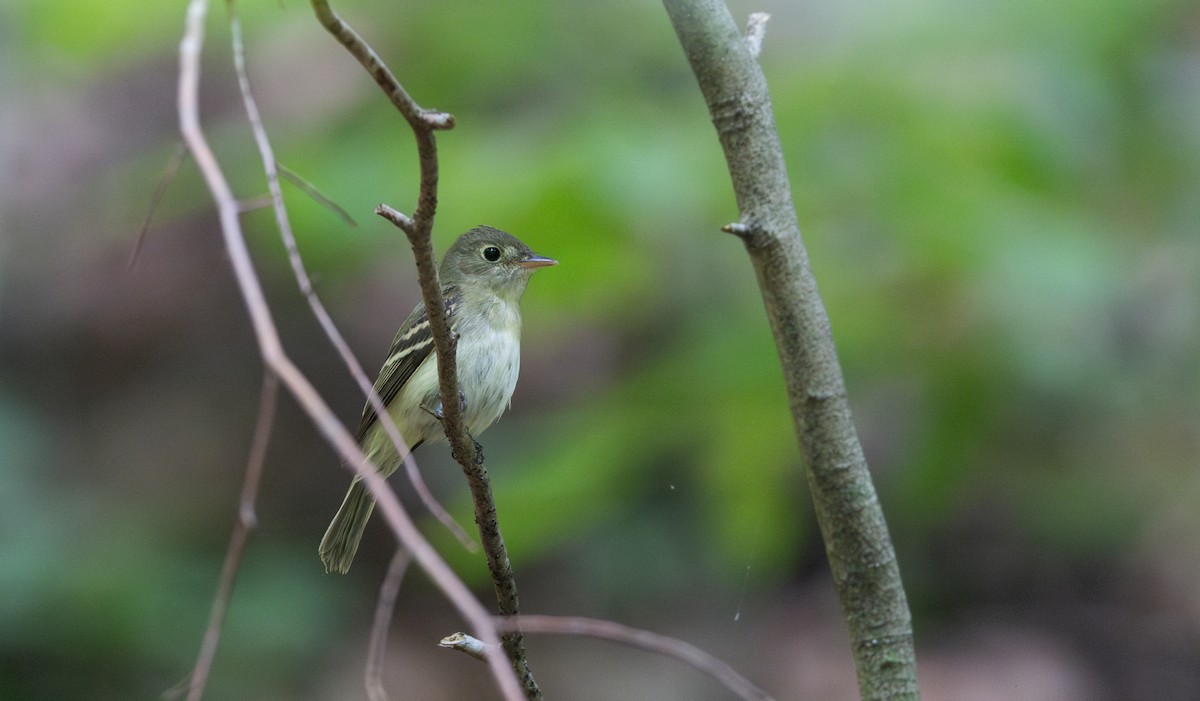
(278,362)
(302,278)
(644,639)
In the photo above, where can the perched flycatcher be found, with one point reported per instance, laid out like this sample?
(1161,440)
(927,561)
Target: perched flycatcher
(483,276)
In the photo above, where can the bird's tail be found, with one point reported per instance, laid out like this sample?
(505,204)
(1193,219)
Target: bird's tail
(341,538)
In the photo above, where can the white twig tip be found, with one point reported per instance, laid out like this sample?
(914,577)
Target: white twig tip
(737,229)
(465,643)
(438,120)
(756,27)
(396,217)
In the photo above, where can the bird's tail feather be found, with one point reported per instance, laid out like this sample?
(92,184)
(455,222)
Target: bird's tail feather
(341,539)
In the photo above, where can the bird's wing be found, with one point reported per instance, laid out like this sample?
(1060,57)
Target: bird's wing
(411,346)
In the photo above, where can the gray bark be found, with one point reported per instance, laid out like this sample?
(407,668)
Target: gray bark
(857,542)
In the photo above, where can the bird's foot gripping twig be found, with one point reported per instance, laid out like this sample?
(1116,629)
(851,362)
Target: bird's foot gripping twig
(436,412)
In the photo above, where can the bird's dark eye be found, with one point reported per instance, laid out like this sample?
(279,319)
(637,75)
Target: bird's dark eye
(491,254)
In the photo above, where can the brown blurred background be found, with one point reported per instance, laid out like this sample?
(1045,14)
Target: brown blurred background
(1000,201)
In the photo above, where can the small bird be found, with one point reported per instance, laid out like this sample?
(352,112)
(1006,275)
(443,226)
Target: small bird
(483,277)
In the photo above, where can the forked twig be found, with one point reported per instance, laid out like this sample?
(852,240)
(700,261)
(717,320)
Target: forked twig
(279,364)
(302,278)
(418,228)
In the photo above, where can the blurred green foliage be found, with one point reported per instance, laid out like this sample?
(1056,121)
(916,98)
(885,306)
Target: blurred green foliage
(1000,203)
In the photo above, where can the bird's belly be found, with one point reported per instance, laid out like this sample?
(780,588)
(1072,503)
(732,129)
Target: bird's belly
(488,378)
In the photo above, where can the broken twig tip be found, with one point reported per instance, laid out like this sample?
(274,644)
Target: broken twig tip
(756,28)
(396,217)
(737,229)
(438,120)
(465,643)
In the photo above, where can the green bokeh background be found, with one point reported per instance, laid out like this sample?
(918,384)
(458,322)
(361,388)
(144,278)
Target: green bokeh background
(1001,202)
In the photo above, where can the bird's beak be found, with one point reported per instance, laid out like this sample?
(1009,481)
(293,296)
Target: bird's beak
(536,261)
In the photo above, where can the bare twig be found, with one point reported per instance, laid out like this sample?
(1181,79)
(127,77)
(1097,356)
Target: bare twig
(383,619)
(418,228)
(644,639)
(246,521)
(317,196)
(278,362)
(756,28)
(857,543)
(302,278)
(400,219)
(414,114)
(608,630)
(465,644)
(168,176)
(499,565)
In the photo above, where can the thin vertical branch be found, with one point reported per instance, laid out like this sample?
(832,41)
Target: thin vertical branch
(283,223)
(279,364)
(503,579)
(377,651)
(246,521)
(418,228)
(857,542)
(160,190)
